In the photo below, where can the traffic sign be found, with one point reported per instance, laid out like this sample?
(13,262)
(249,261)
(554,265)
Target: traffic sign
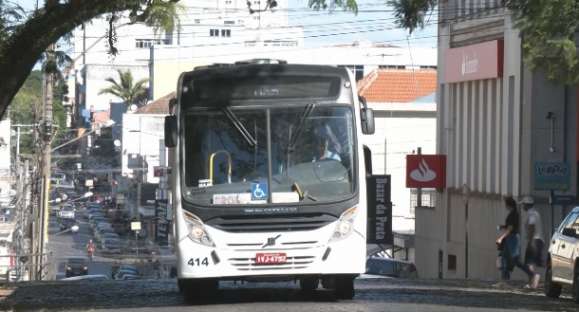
(136,226)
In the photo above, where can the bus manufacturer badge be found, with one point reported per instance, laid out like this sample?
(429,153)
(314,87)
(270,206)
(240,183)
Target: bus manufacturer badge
(271,241)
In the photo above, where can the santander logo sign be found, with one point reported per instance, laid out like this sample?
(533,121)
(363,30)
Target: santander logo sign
(425,171)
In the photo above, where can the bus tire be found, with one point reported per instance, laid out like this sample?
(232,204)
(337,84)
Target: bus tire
(344,288)
(198,290)
(309,284)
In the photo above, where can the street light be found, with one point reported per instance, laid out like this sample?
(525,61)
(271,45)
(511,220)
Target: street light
(59,200)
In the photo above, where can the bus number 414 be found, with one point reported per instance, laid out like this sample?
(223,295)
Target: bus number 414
(198,262)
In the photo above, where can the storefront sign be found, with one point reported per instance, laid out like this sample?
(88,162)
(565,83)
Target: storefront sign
(379,210)
(425,171)
(552,175)
(474,62)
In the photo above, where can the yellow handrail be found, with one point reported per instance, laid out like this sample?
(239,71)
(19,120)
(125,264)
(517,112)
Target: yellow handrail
(229,165)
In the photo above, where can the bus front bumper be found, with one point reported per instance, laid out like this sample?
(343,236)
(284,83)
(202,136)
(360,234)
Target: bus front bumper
(241,255)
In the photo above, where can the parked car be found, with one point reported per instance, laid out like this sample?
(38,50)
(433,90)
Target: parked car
(563,258)
(391,267)
(126,274)
(99,234)
(111,246)
(66,224)
(76,267)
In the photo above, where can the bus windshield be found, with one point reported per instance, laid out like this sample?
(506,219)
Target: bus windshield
(312,155)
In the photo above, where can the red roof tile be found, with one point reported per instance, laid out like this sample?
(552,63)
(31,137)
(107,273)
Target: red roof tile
(397,86)
(159,106)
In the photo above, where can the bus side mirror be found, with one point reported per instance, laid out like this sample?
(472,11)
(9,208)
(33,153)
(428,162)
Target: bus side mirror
(170,131)
(367,116)
(367,121)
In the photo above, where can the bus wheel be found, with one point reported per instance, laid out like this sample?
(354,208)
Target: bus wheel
(344,288)
(198,291)
(309,284)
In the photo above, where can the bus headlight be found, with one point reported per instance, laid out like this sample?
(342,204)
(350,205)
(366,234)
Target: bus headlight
(345,225)
(197,232)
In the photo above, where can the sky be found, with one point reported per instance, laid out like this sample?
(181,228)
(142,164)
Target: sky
(374,22)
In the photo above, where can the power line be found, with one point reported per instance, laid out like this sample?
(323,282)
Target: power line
(364,29)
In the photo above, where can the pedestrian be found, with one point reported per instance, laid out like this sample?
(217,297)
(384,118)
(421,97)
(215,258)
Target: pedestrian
(508,242)
(535,242)
(90,248)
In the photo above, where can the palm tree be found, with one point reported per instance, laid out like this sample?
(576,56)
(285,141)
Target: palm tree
(125,89)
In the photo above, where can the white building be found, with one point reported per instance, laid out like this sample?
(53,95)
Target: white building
(168,63)
(142,135)
(5,161)
(225,24)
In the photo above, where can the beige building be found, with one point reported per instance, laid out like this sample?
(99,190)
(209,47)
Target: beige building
(503,129)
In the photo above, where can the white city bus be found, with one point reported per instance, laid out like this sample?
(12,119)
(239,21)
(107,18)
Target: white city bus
(268,176)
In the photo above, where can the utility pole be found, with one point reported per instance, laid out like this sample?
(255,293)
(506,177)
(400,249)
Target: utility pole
(419,190)
(47,131)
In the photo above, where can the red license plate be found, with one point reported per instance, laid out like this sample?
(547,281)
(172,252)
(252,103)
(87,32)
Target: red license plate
(270,258)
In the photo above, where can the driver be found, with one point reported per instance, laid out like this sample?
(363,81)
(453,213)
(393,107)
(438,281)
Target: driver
(328,147)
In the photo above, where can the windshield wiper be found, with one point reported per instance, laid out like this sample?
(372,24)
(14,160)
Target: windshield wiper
(239,126)
(300,126)
(302,193)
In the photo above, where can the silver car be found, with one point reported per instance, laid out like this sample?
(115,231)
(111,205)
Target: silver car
(563,258)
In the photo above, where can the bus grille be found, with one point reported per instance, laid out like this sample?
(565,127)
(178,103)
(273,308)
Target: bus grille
(266,224)
(258,246)
(294,263)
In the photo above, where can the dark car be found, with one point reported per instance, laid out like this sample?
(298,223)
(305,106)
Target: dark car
(76,267)
(390,267)
(66,224)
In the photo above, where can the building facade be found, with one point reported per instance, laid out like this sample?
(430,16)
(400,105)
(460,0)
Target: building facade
(500,125)
(360,57)
(224,24)
(6,177)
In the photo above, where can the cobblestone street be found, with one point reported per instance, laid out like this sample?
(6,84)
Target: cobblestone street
(372,295)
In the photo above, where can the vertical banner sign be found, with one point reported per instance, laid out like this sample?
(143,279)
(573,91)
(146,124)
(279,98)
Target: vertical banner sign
(379,210)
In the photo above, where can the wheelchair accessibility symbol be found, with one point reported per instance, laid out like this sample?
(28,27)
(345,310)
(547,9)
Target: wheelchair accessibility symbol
(258,191)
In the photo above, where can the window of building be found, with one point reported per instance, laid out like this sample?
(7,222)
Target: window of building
(226,33)
(228,2)
(280,43)
(147,43)
(391,66)
(214,32)
(428,199)
(229,22)
(451,262)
